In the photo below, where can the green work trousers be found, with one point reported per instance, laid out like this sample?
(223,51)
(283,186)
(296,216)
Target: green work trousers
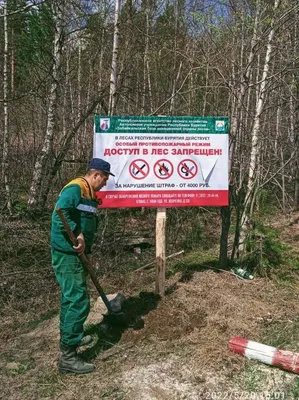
(75,304)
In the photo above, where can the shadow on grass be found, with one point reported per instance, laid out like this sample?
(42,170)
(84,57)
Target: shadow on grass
(188,269)
(109,331)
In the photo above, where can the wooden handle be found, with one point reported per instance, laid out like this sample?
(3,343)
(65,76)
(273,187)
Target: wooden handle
(67,227)
(84,259)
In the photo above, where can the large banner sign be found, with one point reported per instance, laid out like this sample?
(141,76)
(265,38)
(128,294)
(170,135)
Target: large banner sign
(163,161)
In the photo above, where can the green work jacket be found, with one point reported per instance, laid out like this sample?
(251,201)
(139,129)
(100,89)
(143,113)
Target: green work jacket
(78,202)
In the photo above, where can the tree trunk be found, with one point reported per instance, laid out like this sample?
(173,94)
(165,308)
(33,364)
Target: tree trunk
(255,142)
(100,82)
(113,76)
(12,77)
(65,146)
(5,152)
(294,117)
(175,82)
(225,225)
(239,91)
(44,156)
(146,69)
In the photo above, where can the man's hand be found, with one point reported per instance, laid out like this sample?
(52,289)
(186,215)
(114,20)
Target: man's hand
(81,244)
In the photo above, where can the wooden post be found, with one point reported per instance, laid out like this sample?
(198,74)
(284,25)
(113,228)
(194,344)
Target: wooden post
(160,250)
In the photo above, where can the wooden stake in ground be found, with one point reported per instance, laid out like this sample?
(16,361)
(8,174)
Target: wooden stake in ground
(160,250)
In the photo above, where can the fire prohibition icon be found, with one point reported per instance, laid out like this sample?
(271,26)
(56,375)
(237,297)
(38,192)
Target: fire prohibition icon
(163,169)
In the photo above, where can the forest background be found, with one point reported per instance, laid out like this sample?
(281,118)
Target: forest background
(62,62)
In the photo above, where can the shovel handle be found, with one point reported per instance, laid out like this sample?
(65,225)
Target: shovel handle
(84,260)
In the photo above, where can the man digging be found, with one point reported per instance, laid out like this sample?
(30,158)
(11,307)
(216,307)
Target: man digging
(78,202)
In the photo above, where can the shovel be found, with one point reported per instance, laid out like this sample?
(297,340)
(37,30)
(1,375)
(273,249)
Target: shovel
(115,315)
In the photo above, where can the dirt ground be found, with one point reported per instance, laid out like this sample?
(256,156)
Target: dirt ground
(180,352)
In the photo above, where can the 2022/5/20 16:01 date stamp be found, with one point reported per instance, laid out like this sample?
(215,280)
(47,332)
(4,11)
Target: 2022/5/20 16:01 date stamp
(239,395)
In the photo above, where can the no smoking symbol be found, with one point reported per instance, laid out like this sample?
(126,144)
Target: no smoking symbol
(139,169)
(187,169)
(163,169)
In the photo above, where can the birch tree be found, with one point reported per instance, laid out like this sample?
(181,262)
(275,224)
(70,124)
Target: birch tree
(5,152)
(241,79)
(47,147)
(255,133)
(113,75)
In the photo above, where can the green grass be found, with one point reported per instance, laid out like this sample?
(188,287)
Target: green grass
(282,334)
(195,262)
(292,390)
(112,394)
(20,368)
(49,383)
(44,317)
(254,377)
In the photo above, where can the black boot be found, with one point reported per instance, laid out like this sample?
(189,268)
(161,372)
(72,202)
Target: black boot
(70,362)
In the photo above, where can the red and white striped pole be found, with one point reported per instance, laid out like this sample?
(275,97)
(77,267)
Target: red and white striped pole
(266,354)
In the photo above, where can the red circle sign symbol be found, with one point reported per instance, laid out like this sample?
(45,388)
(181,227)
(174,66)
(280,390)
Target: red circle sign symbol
(187,169)
(139,169)
(163,169)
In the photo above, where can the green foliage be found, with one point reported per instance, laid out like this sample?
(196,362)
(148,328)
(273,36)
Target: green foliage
(194,237)
(265,252)
(266,203)
(32,40)
(20,206)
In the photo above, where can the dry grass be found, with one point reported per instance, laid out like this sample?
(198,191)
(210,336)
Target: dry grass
(184,340)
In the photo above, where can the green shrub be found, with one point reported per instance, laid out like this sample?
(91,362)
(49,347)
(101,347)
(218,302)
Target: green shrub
(264,252)
(194,237)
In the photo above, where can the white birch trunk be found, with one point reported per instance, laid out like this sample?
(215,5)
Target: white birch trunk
(90,83)
(12,73)
(240,92)
(172,101)
(255,142)
(146,69)
(237,129)
(294,117)
(5,151)
(113,76)
(101,60)
(190,97)
(101,74)
(206,91)
(79,99)
(175,79)
(41,162)
(65,94)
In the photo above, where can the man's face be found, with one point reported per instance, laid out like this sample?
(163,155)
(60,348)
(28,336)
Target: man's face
(100,180)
